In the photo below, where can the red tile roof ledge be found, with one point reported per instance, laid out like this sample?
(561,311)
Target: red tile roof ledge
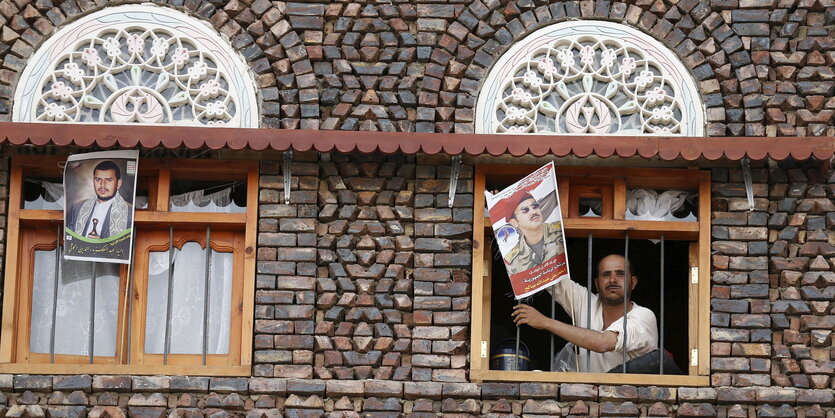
(172,137)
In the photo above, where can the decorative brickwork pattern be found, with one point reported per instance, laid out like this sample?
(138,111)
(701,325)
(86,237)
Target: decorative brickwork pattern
(371,61)
(795,65)
(365,255)
(764,67)
(801,235)
(363,281)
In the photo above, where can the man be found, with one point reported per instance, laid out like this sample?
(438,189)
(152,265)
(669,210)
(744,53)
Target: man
(604,336)
(108,213)
(538,241)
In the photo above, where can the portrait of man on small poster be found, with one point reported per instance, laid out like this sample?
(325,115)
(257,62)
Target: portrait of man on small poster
(100,190)
(527,224)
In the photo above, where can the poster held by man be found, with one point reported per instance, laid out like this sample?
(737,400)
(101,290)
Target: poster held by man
(100,189)
(527,224)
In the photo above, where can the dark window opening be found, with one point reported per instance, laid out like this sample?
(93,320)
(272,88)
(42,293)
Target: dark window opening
(645,256)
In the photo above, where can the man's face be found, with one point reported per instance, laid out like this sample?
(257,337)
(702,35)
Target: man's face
(527,215)
(610,279)
(106,184)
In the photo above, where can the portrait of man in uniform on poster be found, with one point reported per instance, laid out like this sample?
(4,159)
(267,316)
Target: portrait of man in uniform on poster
(527,223)
(538,240)
(98,217)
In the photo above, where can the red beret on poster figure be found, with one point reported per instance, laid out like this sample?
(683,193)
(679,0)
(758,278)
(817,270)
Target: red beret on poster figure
(503,209)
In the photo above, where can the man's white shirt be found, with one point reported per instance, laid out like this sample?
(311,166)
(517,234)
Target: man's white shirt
(641,327)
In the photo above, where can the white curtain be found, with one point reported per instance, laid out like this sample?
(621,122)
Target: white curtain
(198,201)
(72,318)
(649,205)
(52,196)
(188,301)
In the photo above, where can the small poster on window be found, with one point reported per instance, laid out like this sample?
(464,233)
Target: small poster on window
(527,224)
(100,188)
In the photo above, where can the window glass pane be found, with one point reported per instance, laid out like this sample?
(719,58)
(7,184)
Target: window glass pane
(205,196)
(661,205)
(188,301)
(43,194)
(72,319)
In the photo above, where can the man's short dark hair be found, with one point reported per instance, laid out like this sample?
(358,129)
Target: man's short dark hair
(109,165)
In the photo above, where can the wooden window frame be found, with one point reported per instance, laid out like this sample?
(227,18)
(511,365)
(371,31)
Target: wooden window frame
(188,226)
(574,182)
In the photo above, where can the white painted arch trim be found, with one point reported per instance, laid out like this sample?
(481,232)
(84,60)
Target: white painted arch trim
(209,43)
(494,88)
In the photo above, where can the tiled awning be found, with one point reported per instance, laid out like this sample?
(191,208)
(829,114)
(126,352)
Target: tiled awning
(665,148)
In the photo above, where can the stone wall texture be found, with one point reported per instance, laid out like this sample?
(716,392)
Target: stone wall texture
(764,67)
(363,287)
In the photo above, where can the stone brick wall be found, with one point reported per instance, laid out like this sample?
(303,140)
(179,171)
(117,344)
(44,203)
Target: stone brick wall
(764,67)
(363,305)
(366,253)
(740,324)
(363,281)
(773,272)
(286,271)
(158,396)
(365,274)
(443,255)
(801,235)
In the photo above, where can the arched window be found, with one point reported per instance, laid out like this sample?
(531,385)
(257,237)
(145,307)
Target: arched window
(137,64)
(589,77)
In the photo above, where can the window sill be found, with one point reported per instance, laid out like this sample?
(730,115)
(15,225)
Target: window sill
(592,378)
(244,371)
(145,217)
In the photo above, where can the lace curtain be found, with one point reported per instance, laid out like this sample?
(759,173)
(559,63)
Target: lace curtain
(220,201)
(51,198)
(199,201)
(72,318)
(649,205)
(188,301)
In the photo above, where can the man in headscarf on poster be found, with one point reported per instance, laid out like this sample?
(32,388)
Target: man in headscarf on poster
(108,213)
(538,241)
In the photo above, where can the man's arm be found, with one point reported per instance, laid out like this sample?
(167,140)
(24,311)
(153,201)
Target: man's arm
(597,341)
(572,297)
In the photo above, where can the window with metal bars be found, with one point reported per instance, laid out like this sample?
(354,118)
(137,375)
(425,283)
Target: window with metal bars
(180,303)
(656,218)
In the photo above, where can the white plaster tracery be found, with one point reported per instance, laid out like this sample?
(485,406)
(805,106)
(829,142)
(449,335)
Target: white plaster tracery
(137,64)
(589,77)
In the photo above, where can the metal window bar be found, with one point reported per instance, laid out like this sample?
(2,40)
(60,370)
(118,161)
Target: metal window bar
(55,296)
(626,287)
(167,348)
(553,314)
(93,312)
(518,338)
(589,278)
(130,297)
(206,293)
(661,337)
